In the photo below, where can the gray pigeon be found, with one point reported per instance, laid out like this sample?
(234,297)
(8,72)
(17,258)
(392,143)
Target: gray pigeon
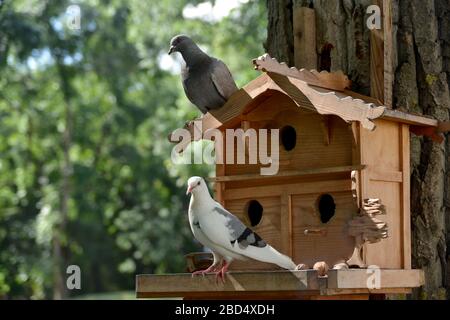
(226,236)
(207,81)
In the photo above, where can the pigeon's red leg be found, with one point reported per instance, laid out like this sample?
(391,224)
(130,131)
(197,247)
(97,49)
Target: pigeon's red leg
(212,268)
(221,274)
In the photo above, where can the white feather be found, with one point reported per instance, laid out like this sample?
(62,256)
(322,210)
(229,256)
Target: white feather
(212,231)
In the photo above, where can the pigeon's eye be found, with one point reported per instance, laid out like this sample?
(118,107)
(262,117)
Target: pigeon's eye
(198,183)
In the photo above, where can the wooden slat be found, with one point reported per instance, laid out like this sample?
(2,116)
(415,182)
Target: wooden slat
(298,188)
(351,292)
(296,173)
(304,25)
(286,227)
(377,60)
(185,284)
(357,278)
(390,176)
(409,118)
(405,197)
(388,75)
(329,80)
(288,282)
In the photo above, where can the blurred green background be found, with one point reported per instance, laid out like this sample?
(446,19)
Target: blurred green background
(85,172)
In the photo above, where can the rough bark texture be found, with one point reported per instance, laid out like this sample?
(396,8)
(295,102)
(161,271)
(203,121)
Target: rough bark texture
(422,77)
(422,86)
(280,36)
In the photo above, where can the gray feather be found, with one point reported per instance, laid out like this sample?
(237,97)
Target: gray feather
(207,81)
(239,232)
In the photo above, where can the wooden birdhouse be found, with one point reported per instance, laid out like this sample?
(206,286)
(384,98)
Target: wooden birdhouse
(339,203)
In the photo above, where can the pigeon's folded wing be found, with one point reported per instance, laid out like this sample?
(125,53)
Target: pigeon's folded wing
(227,231)
(222,79)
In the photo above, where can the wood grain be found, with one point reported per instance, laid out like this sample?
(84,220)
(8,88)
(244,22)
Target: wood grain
(240,284)
(304,25)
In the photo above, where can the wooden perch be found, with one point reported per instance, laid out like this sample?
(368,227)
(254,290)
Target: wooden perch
(329,80)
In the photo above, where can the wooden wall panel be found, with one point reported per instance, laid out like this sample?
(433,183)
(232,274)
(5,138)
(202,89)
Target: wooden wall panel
(311,150)
(405,196)
(388,252)
(381,147)
(269,227)
(385,177)
(335,245)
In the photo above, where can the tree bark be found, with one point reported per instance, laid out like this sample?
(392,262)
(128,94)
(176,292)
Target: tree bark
(422,77)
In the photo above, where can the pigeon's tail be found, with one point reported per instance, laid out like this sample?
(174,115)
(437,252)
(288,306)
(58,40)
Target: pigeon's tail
(270,255)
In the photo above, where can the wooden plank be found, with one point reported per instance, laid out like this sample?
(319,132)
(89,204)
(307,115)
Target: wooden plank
(269,282)
(377,60)
(408,118)
(342,297)
(296,188)
(292,173)
(248,295)
(395,115)
(352,292)
(270,228)
(285,223)
(389,278)
(356,160)
(238,281)
(323,79)
(388,74)
(405,197)
(304,26)
(385,175)
(312,238)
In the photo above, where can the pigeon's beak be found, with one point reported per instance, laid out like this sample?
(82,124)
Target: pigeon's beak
(189,190)
(172,49)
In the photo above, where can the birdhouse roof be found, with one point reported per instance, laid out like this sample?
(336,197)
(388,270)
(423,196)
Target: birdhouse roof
(322,92)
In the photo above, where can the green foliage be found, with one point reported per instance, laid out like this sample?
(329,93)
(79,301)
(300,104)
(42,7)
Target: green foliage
(103,89)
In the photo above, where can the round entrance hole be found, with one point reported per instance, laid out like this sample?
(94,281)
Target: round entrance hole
(327,207)
(288,137)
(254,212)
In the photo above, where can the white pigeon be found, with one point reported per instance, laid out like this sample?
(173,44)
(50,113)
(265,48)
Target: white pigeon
(222,232)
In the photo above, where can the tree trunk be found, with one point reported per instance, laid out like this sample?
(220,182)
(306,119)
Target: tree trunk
(422,77)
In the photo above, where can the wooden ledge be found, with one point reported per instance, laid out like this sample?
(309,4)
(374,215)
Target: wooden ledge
(291,173)
(282,283)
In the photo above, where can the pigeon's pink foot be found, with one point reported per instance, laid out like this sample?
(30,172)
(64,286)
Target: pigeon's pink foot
(221,274)
(212,268)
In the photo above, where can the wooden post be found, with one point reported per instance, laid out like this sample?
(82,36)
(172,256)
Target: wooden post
(388,53)
(377,60)
(405,196)
(304,25)
(381,56)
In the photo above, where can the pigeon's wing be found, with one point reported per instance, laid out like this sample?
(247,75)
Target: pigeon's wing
(222,79)
(227,231)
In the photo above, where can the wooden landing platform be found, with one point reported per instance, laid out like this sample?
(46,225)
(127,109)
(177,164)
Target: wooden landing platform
(302,284)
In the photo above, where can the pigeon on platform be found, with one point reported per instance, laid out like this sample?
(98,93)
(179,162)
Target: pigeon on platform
(207,82)
(226,236)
